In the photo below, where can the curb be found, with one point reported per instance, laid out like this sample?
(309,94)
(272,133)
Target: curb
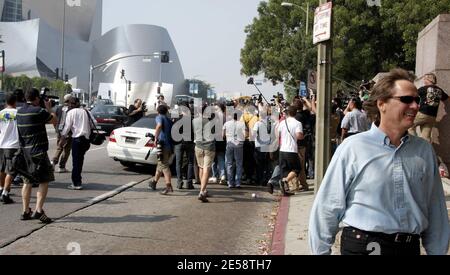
(278,237)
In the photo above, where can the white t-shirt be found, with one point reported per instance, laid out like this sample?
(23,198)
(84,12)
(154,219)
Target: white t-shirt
(235,132)
(9,135)
(78,121)
(288,142)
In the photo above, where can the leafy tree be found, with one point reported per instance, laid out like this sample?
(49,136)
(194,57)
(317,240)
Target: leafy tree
(39,82)
(276,44)
(23,82)
(366,40)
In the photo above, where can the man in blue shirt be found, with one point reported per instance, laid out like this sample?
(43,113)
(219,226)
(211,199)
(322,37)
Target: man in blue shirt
(164,140)
(383,185)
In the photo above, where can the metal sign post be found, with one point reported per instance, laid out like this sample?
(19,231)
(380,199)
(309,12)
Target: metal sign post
(322,35)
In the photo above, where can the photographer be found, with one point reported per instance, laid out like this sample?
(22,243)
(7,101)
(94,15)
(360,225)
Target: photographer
(62,152)
(31,120)
(136,111)
(163,139)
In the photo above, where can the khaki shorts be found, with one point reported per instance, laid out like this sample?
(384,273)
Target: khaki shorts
(164,164)
(205,158)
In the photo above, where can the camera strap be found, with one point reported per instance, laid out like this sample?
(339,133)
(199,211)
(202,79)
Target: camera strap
(93,127)
(287,127)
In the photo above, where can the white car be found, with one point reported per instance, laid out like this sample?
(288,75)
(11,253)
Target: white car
(131,145)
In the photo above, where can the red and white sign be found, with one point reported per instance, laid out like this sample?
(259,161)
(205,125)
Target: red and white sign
(322,23)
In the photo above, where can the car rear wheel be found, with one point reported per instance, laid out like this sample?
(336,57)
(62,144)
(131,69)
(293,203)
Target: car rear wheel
(128,164)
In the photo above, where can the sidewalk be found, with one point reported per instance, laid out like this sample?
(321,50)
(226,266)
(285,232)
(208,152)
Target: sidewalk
(291,231)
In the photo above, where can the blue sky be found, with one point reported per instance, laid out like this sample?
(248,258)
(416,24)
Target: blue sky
(208,35)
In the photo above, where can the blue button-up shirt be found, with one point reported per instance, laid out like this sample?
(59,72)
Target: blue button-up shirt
(374,186)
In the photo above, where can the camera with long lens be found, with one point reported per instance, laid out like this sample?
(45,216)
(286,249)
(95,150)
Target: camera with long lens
(144,107)
(159,151)
(43,97)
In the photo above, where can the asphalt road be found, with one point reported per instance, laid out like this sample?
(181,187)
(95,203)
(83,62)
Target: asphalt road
(136,220)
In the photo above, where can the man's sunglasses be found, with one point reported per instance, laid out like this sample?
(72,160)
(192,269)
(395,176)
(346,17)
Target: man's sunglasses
(408,99)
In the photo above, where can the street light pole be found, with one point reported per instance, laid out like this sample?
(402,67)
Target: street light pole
(63,38)
(289,4)
(92,68)
(323,142)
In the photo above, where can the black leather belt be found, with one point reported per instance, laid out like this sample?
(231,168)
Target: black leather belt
(394,238)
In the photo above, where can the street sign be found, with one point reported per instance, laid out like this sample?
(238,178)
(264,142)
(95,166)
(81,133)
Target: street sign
(303,90)
(312,79)
(322,23)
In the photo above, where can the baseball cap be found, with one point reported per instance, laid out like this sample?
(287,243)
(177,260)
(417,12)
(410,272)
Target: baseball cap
(67,97)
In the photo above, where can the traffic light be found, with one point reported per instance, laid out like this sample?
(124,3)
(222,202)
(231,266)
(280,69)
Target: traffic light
(129,85)
(122,74)
(158,91)
(57,73)
(165,58)
(66,78)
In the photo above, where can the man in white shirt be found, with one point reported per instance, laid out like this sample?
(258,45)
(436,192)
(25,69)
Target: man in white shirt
(234,132)
(355,120)
(9,144)
(78,121)
(290,131)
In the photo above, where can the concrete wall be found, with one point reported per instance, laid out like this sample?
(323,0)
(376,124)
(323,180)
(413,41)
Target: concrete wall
(433,55)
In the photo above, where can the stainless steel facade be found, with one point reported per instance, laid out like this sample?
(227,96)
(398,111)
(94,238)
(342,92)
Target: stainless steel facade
(145,70)
(34,47)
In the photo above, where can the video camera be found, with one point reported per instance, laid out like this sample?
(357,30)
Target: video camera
(43,97)
(279,97)
(257,98)
(144,107)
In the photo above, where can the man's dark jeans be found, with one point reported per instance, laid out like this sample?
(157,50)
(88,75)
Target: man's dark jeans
(80,146)
(262,164)
(180,149)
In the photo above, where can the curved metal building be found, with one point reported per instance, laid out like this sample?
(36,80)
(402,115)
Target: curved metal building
(139,48)
(40,36)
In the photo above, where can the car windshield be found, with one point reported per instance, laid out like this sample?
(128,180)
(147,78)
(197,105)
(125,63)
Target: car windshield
(106,109)
(147,122)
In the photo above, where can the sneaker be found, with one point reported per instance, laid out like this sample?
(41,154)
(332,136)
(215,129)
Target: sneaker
(202,197)
(212,180)
(167,190)
(42,217)
(6,199)
(152,185)
(190,186)
(62,170)
(284,186)
(304,189)
(75,187)
(270,187)
(27,215)
(180,185)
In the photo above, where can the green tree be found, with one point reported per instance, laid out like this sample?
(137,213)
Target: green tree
(23,82)
(276,45)
(366,40)
(39,82)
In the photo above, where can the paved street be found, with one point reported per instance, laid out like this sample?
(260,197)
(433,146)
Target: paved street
(136,221)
